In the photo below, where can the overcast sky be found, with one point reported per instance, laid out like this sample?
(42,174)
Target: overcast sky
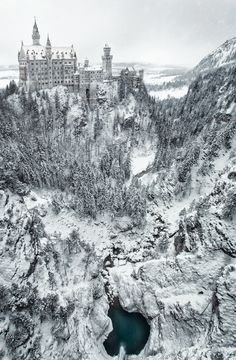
(157,31)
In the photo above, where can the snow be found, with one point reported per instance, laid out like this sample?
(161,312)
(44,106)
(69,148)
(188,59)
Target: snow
(4,83)
(159,79)
(177,290)
(172,213)
(173,292)
(140,162)
(231,108)
(224,55)
(67,220)
(6,75)
(35,199)
(172,92)
(38,52)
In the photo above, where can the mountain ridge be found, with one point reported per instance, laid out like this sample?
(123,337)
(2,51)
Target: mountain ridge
(223,55)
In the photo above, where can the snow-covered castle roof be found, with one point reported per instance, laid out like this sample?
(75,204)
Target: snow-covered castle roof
(38,52)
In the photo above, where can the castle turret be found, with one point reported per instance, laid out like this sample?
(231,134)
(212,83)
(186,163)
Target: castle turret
(86,63)
(48,48)
(48,52)
(107,62)
(21,54)
(22,65)
(35,35)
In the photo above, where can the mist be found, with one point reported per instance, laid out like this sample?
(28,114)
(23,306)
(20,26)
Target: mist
(178,32)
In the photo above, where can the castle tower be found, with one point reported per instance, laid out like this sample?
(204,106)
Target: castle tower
(35,35)
(22,65)
(107,62)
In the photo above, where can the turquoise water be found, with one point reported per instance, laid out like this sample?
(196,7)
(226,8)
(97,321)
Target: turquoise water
(129,329)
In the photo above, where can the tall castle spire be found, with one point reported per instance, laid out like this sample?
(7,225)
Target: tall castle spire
(48,48)
(48,44)
(35,35)
(21,54)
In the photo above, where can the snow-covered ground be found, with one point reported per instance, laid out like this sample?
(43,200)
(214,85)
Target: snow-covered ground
(140,161)
(159,79)
(6,75)
(178,270)
(5,82)
(172,92)
(159,75)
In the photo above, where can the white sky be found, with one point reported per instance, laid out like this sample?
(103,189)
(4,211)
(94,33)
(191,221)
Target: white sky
(157,31)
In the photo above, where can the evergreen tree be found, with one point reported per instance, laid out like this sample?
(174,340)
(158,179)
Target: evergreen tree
(127,166)
(11,89)
(97,126)
(57,102)
(23,99)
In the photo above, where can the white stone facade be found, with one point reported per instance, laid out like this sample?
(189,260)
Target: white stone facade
(43,67)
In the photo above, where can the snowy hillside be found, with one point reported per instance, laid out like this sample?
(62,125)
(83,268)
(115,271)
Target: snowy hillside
(133,201)
(223,55)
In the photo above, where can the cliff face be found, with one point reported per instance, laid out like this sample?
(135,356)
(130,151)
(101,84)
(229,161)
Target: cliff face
(187,291)
(60,256)
(52,297)
(53,303)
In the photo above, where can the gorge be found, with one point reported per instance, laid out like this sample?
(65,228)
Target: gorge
(117,224)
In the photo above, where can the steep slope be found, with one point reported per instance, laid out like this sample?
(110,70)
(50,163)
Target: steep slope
(51,287)
(63,255)
(187,292)
(223,55)
(196,141)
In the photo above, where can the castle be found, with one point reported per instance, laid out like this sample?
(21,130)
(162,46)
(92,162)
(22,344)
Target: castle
(43,67)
